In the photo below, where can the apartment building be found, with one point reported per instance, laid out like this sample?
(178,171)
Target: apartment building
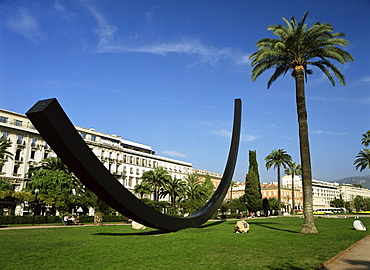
(271,191)
(126,160)
(349,192)
(323,192)
(214,177)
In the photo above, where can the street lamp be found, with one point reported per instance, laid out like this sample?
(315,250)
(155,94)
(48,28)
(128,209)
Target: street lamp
(34,206)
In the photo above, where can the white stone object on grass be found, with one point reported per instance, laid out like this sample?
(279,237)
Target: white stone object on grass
(137,226)
(358,225)
(241,227)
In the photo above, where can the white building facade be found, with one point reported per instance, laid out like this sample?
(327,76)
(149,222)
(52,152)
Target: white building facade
(349,192)
(126,160)
(325,192)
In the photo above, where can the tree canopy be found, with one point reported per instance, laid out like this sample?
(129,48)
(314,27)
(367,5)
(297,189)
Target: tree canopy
(295,48)
(252,192)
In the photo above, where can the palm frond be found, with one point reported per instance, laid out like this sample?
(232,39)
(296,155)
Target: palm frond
(281,69)
(300,45)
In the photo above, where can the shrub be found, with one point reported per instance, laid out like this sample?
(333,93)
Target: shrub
(9,220)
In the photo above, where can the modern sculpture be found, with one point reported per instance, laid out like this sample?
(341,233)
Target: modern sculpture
(58,131)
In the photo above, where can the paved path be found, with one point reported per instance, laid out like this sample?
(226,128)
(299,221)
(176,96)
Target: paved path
(355,257)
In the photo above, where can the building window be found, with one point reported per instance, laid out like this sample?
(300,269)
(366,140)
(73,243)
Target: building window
(45,155)
(5,135)
(33,154)
(3,119)
(20,138)
(15,170)
(17,154)
(33,143)
(83,135)
(93,138)
(18,123)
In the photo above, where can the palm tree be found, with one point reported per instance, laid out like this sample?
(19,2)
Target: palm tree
(143,188)
(4,145)
(366,138)
(232,185)
(194,192)
(293,169)
(91,199)
(157,178)
(51,164)
(295,48)
(175,188)
(278,158)
(363,160)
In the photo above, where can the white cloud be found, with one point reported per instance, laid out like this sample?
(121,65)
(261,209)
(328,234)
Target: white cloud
(111,42)
(228,134)
(25,25)
(105,32)
(249,138)
(62,11)
(320,132)
(221,133)
(173,153)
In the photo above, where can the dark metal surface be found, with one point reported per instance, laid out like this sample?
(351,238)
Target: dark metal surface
(58,131)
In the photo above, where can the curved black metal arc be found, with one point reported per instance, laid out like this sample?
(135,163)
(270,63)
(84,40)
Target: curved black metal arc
(58,131)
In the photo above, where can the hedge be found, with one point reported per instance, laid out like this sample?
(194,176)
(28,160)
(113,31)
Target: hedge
(8,220)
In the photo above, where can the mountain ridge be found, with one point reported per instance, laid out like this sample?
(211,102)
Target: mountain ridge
(362,180)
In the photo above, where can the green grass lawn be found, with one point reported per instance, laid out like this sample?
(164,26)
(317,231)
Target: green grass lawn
(273,243)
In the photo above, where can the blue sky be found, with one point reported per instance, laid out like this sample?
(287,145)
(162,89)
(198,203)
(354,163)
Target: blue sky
(166,73)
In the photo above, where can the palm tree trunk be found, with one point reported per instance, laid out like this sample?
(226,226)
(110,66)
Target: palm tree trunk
(309,223)
(279,191)
(98,219)
(293,203)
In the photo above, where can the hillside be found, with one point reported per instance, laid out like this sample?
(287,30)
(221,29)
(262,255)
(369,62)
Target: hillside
(363,180)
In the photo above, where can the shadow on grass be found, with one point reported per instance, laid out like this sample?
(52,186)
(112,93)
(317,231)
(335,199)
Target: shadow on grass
(157,232)
(210,224)
(358,264)
(268,225)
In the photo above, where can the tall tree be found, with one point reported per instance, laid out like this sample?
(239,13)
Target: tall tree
(276,159)
(194,193)
(157,178)
(5,185)
(88,197)
(252,192)
(55,182)
(4,145)
(208,187)
(175,188)
(293,170)
(295,49)
(142,188)
(363,160)
(232,185)
(366,138)
(57,185)
(51,164)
